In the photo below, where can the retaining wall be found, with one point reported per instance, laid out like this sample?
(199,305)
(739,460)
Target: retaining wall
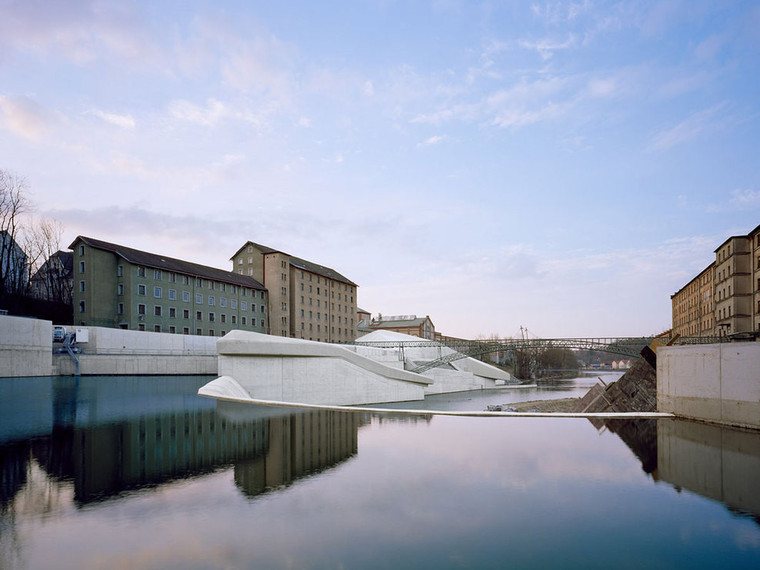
(717,383)
(26,347)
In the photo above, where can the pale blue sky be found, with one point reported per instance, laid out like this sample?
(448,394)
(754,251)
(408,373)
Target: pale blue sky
(564,166)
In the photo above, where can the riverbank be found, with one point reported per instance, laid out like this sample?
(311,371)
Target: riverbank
(548,406)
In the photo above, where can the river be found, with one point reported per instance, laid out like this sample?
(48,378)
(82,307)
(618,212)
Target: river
(139,472)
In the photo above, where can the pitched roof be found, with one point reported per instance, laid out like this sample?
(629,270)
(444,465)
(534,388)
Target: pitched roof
(301,263)
(165,263)
(399,323)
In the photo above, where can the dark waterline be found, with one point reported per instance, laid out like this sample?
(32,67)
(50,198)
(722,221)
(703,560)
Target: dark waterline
(142,473)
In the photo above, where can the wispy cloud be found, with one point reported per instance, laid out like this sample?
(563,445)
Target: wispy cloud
(546,47)
(689,129)
(740,200)
(123,121)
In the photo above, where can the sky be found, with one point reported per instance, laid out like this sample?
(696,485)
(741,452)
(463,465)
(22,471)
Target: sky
(560,166)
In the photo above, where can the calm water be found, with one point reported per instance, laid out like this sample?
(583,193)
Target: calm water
(141,473)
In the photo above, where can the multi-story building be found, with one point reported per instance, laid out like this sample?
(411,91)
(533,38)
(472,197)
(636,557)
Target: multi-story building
(733,287)
(53,280)
(306,300)
(724,299)
(421,327)
(754,241)
(121,287)
(694,307)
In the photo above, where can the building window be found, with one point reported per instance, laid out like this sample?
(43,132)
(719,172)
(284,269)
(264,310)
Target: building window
(141,327)
(242,320)
(141,272)
(222,302)
(262,308)
(234,319)
(211,300)
(211,332)
(240,261)
(199,332)
(172,294)
(284,291)
(81,306)
(185,314)
(141,290)
(81,267)
(141,309)
(157,274)
(243,305)
(211,317)
(81,286)
(157,292)
(120,289)
(198,299)
(120,271)
(198,316)
(173,329)
(157,310)
(157,328)
(81,250)
(233,304)
(185,330)
(186,296)
(224,318)
(120,309)
(185,280)
(253,322)
(172,313)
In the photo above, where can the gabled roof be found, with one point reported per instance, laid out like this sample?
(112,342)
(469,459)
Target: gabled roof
(300,263)
(155,261)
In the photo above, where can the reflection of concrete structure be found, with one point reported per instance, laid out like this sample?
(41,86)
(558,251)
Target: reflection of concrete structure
(266,367)
(457,376)
(717,383)
(719,463)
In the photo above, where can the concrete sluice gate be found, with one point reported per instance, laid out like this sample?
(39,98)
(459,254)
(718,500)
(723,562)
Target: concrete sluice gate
(254,366)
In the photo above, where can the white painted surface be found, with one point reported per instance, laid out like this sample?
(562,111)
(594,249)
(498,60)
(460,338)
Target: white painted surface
(285,369)
(716,382)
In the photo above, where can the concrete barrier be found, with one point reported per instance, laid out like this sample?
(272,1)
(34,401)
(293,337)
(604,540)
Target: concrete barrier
(294,370)
(26,347)
(717,383)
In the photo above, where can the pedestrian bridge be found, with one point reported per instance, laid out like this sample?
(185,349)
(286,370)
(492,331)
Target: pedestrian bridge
(622,346)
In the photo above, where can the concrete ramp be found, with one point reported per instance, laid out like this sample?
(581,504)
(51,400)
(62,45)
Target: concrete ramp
(265,367)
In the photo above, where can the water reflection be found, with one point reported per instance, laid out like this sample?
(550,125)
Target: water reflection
(98,442)
(719,463)
(142,473)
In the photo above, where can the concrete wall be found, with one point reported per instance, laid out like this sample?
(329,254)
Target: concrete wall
(268,367)
(25,347)
(711,382)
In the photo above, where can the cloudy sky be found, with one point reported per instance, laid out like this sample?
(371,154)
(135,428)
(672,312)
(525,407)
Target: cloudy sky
(563,166)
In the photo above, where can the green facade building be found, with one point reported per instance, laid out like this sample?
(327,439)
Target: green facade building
(120,287)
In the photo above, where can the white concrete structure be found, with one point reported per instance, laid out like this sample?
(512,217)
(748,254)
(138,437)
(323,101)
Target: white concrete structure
(717,383)
(457,376)
(268,367)
(26,347)
(117,351)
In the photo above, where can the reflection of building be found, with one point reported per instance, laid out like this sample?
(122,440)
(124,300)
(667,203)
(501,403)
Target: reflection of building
(298,445)
(720,463)
(725,297)
(306,300)
(120,287)
(406,324)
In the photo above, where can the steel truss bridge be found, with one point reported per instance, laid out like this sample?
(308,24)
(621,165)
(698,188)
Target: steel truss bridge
(622,346)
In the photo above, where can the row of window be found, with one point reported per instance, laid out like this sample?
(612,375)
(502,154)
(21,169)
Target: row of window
(185,330)
(172,296)
(158,311)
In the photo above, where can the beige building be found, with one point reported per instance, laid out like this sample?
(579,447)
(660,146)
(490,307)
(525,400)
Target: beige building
(724,299)
(407,324)
(694,307)
(306,300)
(754,239)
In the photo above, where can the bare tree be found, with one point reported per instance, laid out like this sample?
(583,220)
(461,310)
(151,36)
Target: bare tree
(14,272)
(50,267)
